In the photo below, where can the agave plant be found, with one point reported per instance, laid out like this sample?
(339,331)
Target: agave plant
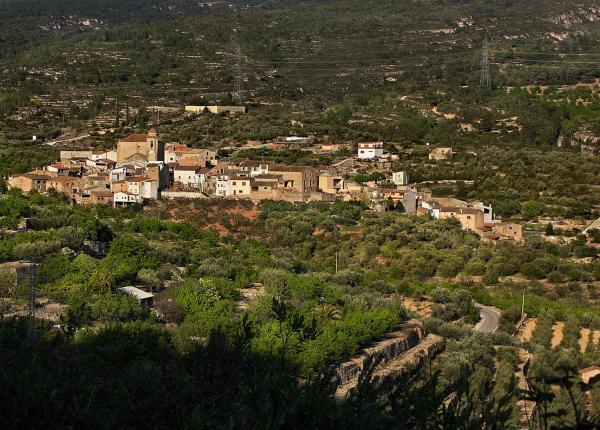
(326,311)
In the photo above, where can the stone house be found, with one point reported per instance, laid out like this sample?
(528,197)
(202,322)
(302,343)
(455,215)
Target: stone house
(331,184)
(300,178)
(470,218)
(29,182)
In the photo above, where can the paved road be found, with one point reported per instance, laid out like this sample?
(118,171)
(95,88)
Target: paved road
(490,319)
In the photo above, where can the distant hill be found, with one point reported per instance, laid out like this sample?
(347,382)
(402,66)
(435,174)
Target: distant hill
(178,48)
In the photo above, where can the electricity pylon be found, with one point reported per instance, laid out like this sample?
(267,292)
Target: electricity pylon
(484,78)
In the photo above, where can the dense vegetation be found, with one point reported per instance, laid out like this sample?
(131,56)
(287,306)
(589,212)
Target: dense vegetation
(207,344)
(256,306)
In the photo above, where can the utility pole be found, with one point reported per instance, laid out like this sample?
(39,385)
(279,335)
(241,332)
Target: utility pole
(336,262)
(523,307)
(117,118)
(31,303)
(237,76)
(31,306)
(484,78)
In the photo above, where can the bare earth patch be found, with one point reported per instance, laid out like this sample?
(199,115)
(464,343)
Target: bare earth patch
(421,308)
(557,333)
(583,339)
(527,329)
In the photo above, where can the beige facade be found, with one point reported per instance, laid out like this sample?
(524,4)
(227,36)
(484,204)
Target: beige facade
(239,186)
(215,109)
(28,182)
(102,197)
(470,219)
(300,178)
(67,185)
(66,156)
(183,155)
(119,186)
(331,184)
(139,148)
(509,231)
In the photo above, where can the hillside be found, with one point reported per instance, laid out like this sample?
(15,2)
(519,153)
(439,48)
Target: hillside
(169,51)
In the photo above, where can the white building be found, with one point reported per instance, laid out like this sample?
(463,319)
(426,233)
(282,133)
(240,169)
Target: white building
(222,186)
(118,174)
(400,178)
(143,297)
(253,168)
(190,176)
(110,155)
(142,187)
(370,150)
(123,198)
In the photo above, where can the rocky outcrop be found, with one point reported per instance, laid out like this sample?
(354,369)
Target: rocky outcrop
(95,248)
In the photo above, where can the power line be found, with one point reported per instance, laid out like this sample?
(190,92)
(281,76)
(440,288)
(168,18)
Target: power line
(582,54)
(525,60)
(237,95)
(484,78)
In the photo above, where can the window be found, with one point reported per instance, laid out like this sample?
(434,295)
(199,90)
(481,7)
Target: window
(233,183)
(243,183)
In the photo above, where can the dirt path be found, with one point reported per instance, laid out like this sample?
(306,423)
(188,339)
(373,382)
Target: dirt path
(557,333)
(527,329)
(248,294)
(585,337)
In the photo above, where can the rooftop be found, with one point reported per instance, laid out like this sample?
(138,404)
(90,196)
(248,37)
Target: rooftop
(137,179)
(136,292)
(135,138)
(461,210)
(302,169)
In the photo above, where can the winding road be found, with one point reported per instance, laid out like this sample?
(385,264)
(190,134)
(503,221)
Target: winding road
(490,319)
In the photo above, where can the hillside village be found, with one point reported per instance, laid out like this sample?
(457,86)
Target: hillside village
(300,215)
(142,167)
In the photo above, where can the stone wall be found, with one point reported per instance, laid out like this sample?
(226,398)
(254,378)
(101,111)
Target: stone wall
(292,196)
(182,195)
(385,350)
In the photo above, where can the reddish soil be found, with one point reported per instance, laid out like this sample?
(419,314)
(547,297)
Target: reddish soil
(527,329)
(421,308)
(557,333)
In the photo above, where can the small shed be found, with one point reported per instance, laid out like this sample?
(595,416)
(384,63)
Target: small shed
(143,297)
